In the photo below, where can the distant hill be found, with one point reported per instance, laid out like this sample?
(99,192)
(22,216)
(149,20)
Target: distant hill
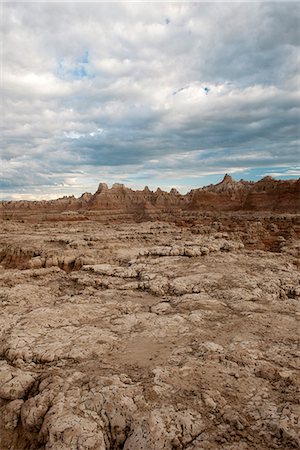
(267,194)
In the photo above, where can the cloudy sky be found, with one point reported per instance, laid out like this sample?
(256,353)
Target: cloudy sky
(157,94)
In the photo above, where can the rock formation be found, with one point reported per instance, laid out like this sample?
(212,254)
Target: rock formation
(267,194)
(150,336)
(121,331)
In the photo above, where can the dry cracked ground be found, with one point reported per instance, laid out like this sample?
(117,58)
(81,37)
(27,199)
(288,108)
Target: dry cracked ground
(149,336)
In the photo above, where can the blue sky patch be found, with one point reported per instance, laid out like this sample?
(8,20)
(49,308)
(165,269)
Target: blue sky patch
(73,70)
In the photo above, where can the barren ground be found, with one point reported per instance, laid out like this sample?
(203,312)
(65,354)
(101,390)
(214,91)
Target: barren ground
(150,336)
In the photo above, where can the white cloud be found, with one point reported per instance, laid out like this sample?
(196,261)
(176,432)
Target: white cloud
(73,135)
(114,89)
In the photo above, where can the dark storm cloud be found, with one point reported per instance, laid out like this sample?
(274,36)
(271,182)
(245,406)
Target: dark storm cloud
(137,91)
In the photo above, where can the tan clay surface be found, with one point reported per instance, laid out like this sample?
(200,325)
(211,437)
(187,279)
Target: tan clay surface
(150,335)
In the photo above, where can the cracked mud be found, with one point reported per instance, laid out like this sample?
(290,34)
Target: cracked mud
(150,336)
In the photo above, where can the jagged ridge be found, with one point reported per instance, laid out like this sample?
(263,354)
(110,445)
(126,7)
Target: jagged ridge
(267,194)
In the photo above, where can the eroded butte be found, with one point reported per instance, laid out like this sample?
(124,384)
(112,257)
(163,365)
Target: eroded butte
(180,334)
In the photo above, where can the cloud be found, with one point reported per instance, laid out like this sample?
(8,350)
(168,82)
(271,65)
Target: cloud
(132,92)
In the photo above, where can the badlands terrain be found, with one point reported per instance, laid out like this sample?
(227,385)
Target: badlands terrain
(150,320)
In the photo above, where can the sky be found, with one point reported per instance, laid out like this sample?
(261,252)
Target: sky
(159,94)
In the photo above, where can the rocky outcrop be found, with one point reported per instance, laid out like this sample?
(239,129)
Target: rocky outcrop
(150,336)
(274,195)
(267,194)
